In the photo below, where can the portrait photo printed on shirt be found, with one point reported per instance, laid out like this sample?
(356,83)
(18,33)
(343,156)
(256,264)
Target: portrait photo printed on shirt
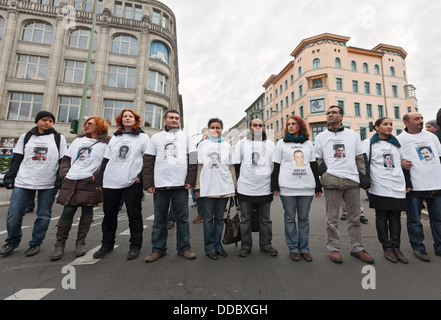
(40,153)
(425,153)
(339,151)
(123,153)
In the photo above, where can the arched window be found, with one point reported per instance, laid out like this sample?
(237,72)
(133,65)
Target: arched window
(80,38)
(377,69)
(365,68)
(337,63)
(159,51)
(316,63)
(125,44)
(392,71)
(300,72)
(353,65)
(37,31)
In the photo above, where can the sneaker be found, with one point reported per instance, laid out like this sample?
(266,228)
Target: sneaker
(363,256)
(422,255)
(363,219)
(270,251)
(101,253)
(198,219)
(244,252)
(343,217)
(133,254)
(7,249)
(32,250)
(190,255)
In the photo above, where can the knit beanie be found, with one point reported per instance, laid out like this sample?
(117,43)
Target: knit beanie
(43,114)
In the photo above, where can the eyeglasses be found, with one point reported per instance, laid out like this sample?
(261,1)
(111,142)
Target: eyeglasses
(257,125)
(90,124)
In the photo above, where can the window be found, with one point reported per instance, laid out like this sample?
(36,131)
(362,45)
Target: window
(69,108)
(53,3)
(367,88)
(87,5)
(378,88)
(316,63)
(301,112)
(153,116)
(339,83)
(157,82)
(162,19)
(80,39)
(317,130)
(112,108)
(286,84)
(369,111)
(392,71)
(365,68)
(122,77)
(277,93)
(395,91)
(353,65)
(292,97)
(397,112)
(363,133)
(128,10)
(354,86)
(2,26)
(281,104)
(300,90)
(125,44)
(377,69)
(74,71)
(281,89)
(317,83)
(380,111)
(24,106)
(338,63)
(292,76)
(300,71)
(357,110)
(31,67)
(39,32)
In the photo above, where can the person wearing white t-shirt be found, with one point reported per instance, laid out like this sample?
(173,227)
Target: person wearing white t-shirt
(120,177)
(342,165)
(423,182)
(295,179)
(33,168)
(79,168)
(216,183)
(169,171)
(387,194)
(253,157)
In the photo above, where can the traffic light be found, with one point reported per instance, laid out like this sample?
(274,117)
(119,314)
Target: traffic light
(74,126)
(371,126)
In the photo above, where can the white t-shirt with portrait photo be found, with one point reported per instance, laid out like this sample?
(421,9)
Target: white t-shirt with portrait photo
(295,177)
(126,157)
(387,178)
(256,159)
(338,150)
(38,170)
(424,150)
(171,149)
(84,160)
(215,179)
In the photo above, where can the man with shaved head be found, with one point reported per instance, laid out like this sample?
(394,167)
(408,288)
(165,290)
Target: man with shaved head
(423,182)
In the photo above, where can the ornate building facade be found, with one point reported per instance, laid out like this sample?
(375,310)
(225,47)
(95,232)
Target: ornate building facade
(324,71)
(44,49)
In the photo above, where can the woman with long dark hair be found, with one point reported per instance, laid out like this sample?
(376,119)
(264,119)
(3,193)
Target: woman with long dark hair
(387,194)
(121,179)
(295,178)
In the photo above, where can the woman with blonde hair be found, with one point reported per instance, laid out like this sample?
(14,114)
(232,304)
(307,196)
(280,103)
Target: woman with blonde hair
(79,168)
(121,179)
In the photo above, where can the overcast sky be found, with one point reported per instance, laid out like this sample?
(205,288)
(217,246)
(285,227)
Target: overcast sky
(228,48)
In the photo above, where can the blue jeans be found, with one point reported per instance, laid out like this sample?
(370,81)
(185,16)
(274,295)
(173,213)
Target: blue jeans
(213,214)
(179,202)
(414,225)
(297,237)
(16,212)
(265,224)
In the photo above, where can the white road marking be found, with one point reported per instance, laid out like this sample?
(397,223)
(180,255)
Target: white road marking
(6,231)
(88,258)
(30,294)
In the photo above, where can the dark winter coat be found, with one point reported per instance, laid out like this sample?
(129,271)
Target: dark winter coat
(79,192)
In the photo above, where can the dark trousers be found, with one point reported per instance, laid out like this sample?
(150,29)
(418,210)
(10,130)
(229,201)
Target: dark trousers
(132,197)
(388,225)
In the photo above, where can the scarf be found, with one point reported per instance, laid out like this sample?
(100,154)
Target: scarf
(390,139)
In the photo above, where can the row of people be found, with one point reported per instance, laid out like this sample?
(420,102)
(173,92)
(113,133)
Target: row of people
(98,169)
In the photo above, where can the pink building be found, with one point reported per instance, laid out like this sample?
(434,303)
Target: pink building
(324,71)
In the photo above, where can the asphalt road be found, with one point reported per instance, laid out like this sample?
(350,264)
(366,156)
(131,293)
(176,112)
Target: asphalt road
(256,277)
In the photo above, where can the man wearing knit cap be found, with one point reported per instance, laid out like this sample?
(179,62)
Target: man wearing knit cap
(29,173)
(433,127)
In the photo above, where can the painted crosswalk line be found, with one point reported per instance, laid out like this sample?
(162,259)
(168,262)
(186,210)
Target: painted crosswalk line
(30,294)
(88,258)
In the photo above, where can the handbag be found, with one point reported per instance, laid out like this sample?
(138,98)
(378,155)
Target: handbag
(232,226)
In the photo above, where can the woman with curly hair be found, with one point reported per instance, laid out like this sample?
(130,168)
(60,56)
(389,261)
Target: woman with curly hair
(295,178)
(79,168)
(121,179)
